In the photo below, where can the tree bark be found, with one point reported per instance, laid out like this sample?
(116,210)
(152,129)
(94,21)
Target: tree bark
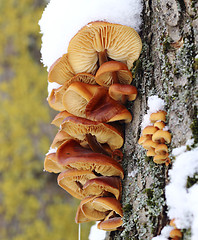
(167,67)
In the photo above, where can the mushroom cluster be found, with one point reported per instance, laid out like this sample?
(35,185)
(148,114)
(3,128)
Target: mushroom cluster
(155,137)
(94,80)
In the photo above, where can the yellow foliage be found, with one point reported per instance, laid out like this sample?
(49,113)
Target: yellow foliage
(31,204)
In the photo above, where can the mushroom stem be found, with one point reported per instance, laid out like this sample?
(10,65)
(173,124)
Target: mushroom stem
(95,145)
(102,56)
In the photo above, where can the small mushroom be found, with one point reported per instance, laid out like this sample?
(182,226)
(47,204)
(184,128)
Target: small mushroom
(51,164)
(175,233)
(142,139)
(111,223)
(55,99)
(104,186)
(158,116)
(73,180)
(93,102)
(98,41)
(160,159)
(149,144)
(121,92)
(159,124)
(161,136)
(60,117)
(71,155)
(60,71)
(60,138)
(78,128)
(149,131)
(150,152)
(161,149)
(113,72)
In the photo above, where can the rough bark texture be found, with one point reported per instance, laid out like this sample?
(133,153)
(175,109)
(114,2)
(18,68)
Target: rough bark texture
(167,68)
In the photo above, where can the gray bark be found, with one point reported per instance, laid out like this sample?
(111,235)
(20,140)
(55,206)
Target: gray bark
(167,68)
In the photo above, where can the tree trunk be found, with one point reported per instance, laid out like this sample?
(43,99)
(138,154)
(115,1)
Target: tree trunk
(167,68)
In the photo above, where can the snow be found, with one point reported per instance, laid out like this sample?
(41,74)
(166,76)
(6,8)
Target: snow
(51,86)
(164,233)
(62,19)
(182,201)
(155,104)
(96,234)
(51,150)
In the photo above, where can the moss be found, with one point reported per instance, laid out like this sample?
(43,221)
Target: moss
(194,126)
(192,180)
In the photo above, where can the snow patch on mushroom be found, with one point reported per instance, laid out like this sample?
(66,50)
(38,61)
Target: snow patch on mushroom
(62,19)
(182,201)
(155,104)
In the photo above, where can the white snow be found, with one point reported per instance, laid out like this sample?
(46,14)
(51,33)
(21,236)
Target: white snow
(164,233)
(51,150)
(62,19)
(155,104)
(96,234)
(51,86)
(182,201)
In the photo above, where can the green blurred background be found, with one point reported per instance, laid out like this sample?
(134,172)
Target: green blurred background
(32,205)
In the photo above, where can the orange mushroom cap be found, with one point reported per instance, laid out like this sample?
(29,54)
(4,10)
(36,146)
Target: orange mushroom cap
(51,164)
(161,136)
(111,224)
(111,72)
(158,116)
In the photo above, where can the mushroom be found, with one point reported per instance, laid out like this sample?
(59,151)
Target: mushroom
(149,144)
(149,131)
(55,99)
(93,102)
(111,222)
(121,92)
(159,124)
(51,164)
(78,128)
(104,186)
(60,71)
(161,136)
(175,233)
(159,159)
(60,117)
(161,149)
(158,116)
(71,155)
(97,208)
(142,139)
(98,41)
(60,138)
(113,72)
(73,180)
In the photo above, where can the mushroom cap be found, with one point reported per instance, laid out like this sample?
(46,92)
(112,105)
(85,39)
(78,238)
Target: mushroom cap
(105,133)
(71,155)
(159,124)
(60,71)
(149,144)
(142,139)
(172,223)
(73,180)
(55,99)
(60,117)
(161,136)
(151,152)
(175,233)
(121,43)
(159,159)
(110,224)
(120,91)
(104,76)
(103,186)
(158,116)
(60,137)
(51,164)
(161,149)
(149,130)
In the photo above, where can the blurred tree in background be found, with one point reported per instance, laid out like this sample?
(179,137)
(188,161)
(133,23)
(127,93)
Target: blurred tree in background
(32,206)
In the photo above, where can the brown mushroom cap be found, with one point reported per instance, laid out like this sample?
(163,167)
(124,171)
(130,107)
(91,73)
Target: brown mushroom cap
(60,71)
(121,92)
(78,128)
(110,224)
(158,116)
(60,137)
(161,136)
(111,72)
(71,155)
(103,186)
(121,43)
(55,99)
(60,117)
(51,164)
(72,180)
